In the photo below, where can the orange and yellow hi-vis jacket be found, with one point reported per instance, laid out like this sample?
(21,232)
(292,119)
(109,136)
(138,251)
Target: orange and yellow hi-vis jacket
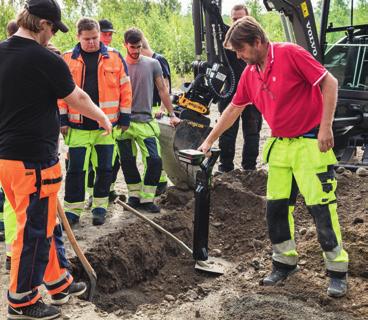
(114,88)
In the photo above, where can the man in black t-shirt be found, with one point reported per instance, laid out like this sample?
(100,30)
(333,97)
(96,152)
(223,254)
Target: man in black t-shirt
(251,117)
(31,80)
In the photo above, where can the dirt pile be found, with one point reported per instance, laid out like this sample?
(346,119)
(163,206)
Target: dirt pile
(137,265)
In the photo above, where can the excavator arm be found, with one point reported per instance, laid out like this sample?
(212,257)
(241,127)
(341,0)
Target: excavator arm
(211,74)
(212,71)
(300,25)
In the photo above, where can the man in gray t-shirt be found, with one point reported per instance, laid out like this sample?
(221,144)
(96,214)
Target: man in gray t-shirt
(143,131)
(144,72)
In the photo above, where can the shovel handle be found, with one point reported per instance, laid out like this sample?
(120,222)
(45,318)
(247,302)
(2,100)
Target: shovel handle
(155,226)
(86,265)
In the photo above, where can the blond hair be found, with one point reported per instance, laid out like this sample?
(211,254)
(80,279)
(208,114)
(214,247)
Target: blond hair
(28,21)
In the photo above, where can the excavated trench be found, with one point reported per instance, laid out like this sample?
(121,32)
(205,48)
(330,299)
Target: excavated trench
(137,265)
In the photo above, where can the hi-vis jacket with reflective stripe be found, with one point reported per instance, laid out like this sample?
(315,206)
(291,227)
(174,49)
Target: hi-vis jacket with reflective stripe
(114,88)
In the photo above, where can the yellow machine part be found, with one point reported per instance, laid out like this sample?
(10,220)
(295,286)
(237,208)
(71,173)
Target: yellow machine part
(192,105)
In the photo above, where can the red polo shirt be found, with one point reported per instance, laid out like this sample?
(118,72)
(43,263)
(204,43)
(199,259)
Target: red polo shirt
(287,92)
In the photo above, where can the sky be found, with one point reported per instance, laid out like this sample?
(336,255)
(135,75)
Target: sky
(226,5)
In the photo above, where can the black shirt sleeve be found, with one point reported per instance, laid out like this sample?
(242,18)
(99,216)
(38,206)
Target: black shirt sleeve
(58,74)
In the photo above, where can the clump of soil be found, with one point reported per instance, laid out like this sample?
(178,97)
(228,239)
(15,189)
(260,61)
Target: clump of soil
(138,265)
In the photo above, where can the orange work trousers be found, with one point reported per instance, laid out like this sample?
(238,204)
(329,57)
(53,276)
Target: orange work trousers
(37,252)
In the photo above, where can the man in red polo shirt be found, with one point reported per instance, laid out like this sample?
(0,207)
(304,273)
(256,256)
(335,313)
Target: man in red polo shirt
(297,97)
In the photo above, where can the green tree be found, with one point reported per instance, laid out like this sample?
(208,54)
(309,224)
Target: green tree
(7,14)
(255,8)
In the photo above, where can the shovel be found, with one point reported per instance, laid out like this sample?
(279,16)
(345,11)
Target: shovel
(200,265)
(82,258)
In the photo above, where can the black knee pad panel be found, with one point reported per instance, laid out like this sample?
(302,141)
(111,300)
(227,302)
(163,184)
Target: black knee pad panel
(102,183)
(75,186)
(76,159)
(278,220)
(294,192)
(322,219)
(153,173)
(130,170)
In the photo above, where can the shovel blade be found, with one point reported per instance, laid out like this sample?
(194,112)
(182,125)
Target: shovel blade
(210,266)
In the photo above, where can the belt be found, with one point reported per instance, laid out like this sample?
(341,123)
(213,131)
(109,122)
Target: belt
(311,134)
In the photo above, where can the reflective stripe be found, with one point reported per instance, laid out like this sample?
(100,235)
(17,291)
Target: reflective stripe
(19,296)
(337,266)
(134,187)
(133,193)
(332,255)
(285,252)
(125,110)
(290,260)
(75,117)
(134,190)
(112,116)
(148,193)
(109,104)
(124,79)
(73,206)
(149,189)
(147,200)
(63,111)
(62,277)
(100,202)
(336,260)
(284,246)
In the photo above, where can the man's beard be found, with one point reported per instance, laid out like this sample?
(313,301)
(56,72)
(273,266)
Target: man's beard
(134,56)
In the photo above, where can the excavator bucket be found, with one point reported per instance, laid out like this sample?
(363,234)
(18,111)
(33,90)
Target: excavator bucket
(187,135)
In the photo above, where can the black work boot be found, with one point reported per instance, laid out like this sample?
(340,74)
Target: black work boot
(279,273)
(337,287)
(134,202)
(74,290)
(150,207)
(98,216)
(161,188)
(112,196)
(39,310)
(73,219)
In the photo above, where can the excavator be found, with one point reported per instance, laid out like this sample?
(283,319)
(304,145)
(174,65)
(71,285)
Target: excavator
(346,59)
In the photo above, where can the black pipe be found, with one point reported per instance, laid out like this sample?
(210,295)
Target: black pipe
(202,206)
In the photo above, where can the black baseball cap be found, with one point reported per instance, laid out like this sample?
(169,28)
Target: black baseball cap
(47,9)
(106,26)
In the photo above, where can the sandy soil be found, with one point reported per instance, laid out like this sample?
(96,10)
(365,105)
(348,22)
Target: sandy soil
(144,275)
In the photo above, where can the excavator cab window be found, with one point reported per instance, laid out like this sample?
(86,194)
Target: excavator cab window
(348,62)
